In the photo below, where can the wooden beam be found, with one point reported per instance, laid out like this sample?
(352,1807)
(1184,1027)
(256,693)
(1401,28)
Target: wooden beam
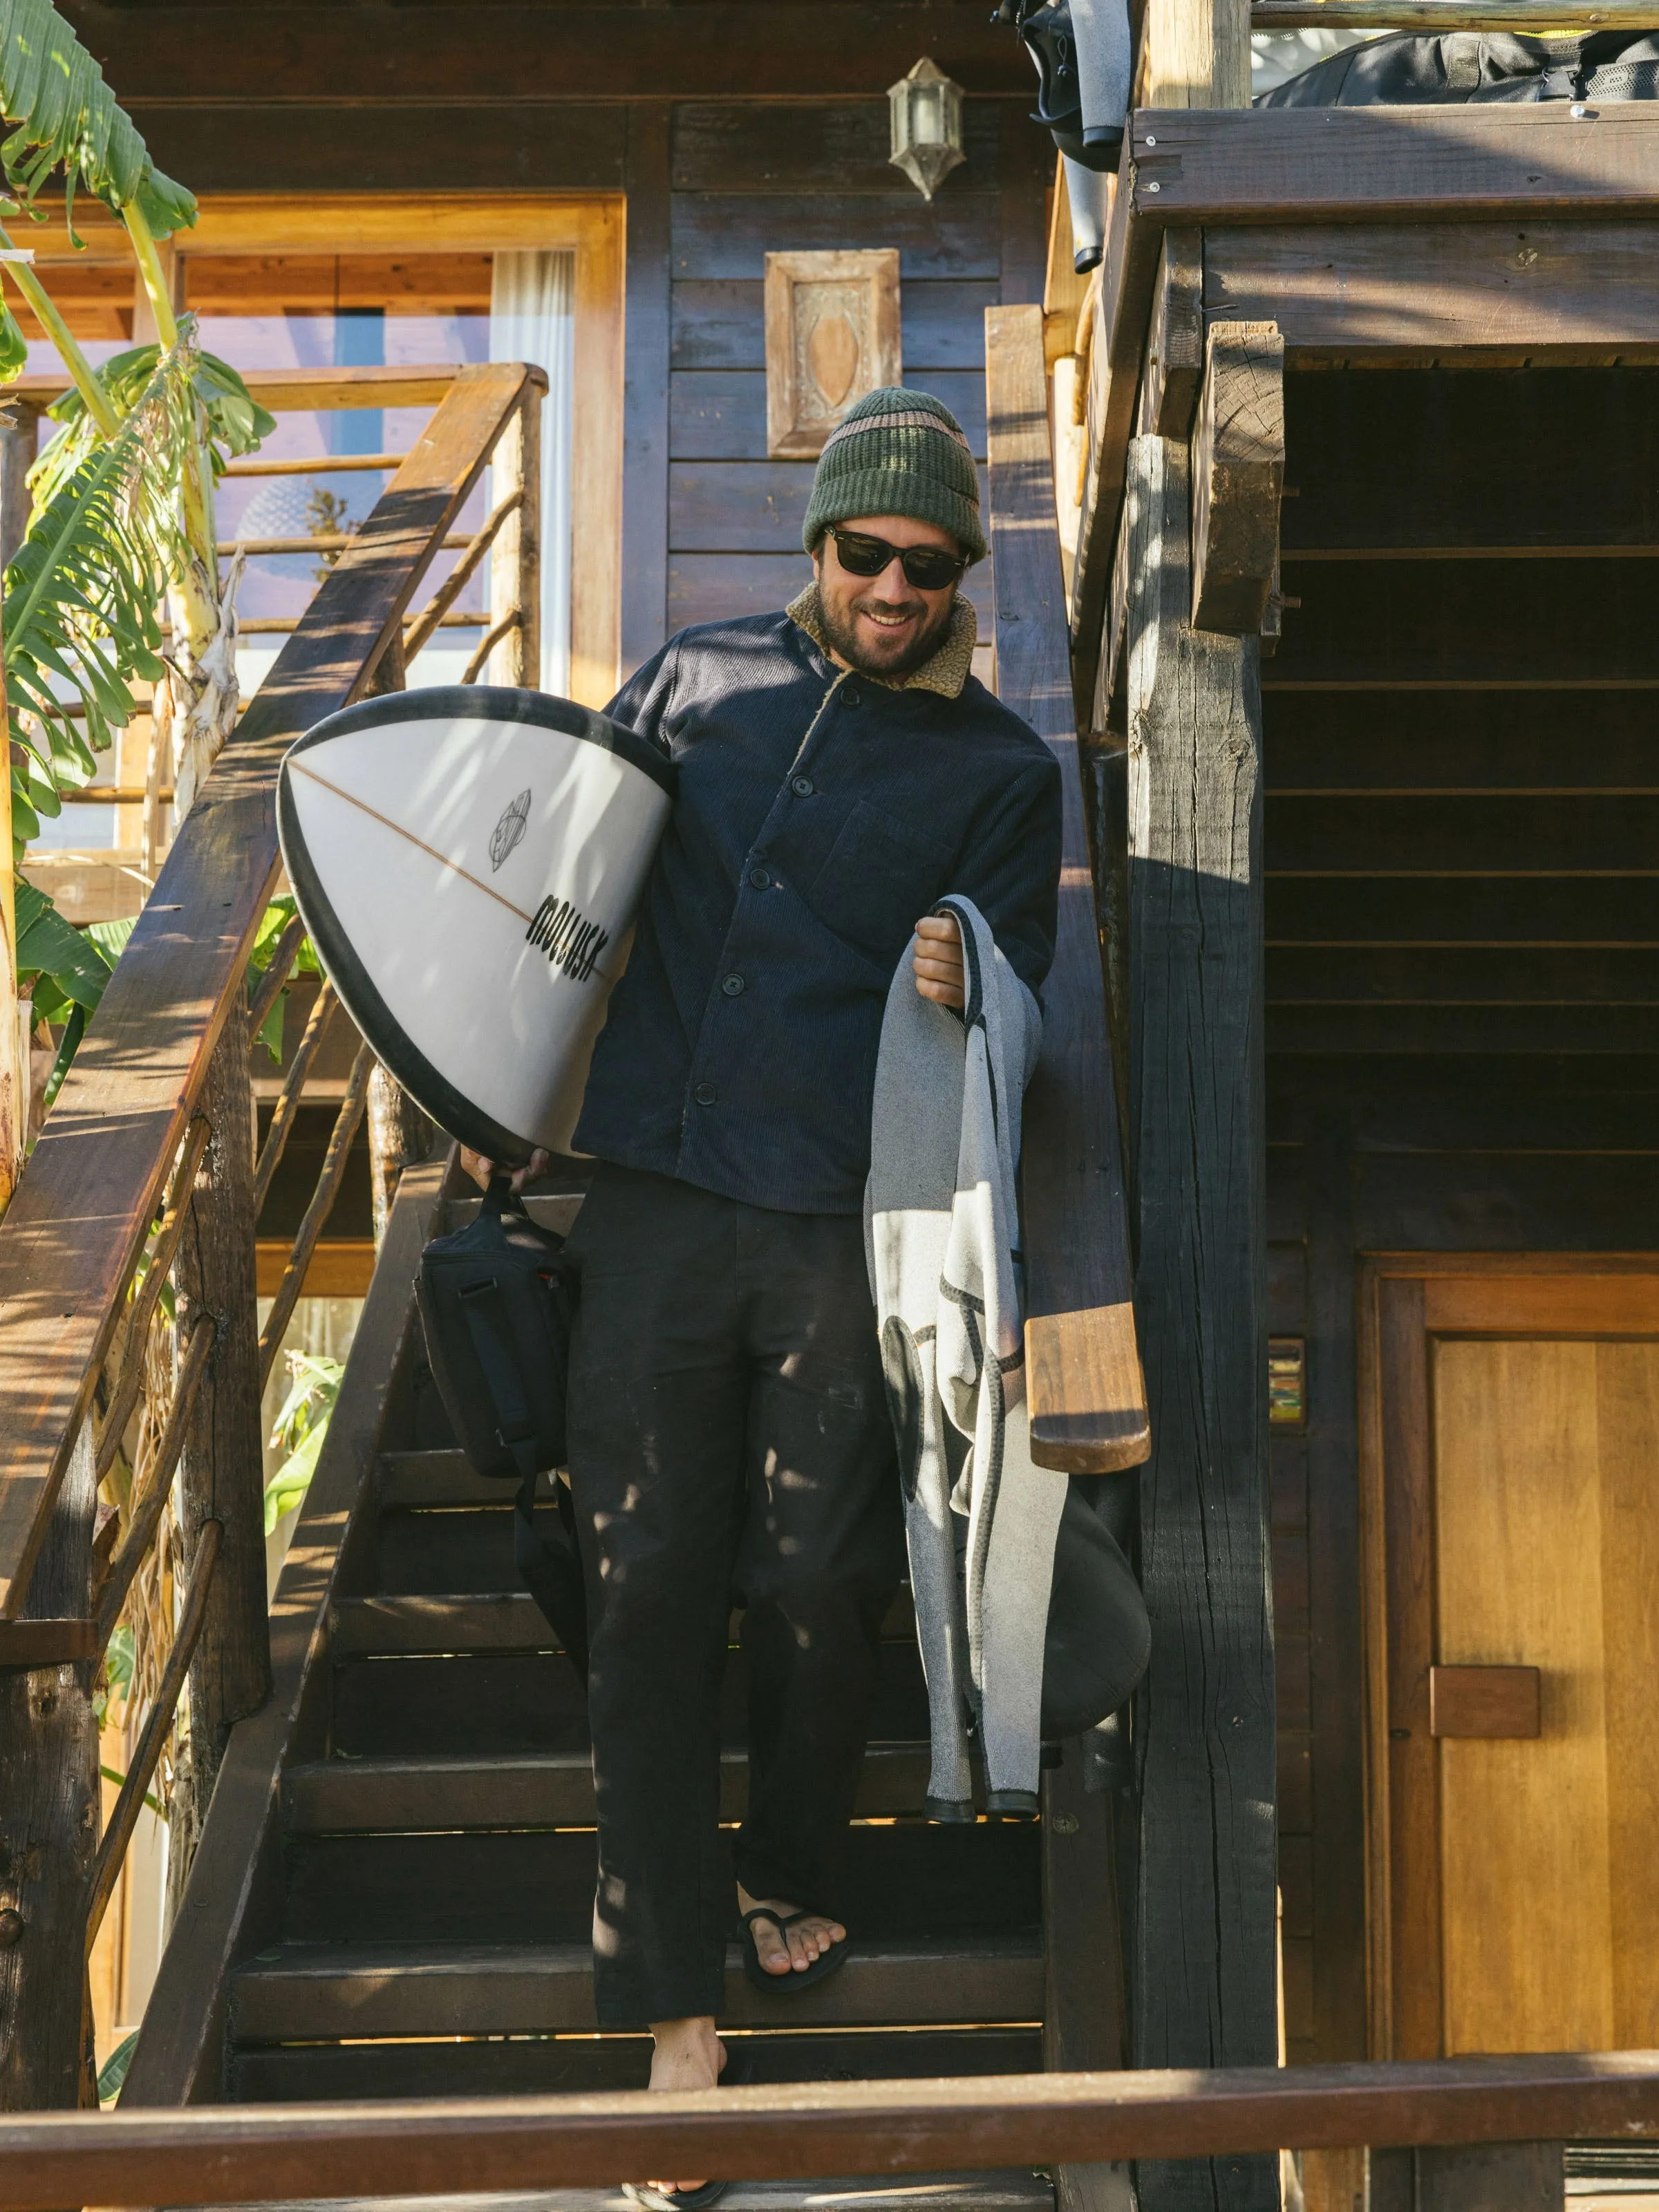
(1202,1938)
(1238,477)
(258,2154)
(107,1149)
(1087,1407)
(31,1643)
(1175,338)
(1538,16)
(1194,53)
(645,439)
(491,52)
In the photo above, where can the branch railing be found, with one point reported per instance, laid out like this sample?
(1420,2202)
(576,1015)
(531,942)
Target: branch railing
(128,1252)
(1485,2131)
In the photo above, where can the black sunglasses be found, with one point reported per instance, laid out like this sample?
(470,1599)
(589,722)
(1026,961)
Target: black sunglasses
(929,568)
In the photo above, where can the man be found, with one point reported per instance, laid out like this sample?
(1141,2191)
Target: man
(840,769)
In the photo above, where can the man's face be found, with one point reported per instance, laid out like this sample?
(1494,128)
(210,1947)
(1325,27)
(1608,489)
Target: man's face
(882,625)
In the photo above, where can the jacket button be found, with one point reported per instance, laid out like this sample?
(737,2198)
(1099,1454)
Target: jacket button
(849,697)
(802,787)
(758,879)
(733,986)
(705,1094)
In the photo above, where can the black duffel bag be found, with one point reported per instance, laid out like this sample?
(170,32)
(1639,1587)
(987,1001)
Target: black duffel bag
(497,1299)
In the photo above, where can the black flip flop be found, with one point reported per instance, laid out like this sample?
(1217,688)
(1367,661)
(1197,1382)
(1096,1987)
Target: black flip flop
(827,1963)
(733,2075)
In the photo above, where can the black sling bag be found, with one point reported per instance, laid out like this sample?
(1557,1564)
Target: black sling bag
(497,1299)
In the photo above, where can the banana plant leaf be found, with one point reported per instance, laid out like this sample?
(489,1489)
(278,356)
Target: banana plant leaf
(63,966)
(65,113)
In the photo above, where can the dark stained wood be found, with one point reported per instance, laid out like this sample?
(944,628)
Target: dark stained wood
(32,1643)
(1518,2177)
(1238,473)
(1485,1701)
(1406,1931)
(743,507)
(645,443)
(220,1480)
(493,52)
(1347,432)
(49,1812)
(1202,1940)
(520,1989)
(1380,165)
(720,324)
(734,146)
(1527,289)
(1492,833)
(1472,624)
(1174,339)
(329,1180)
(720,415)
(1083,2006)
(266,2153)
(1468,742)
(1458,1031)
(224,144)
(75,1227)
(1351,908)
(1086,1393)
(233,1901)
(728,235)
(1435,974)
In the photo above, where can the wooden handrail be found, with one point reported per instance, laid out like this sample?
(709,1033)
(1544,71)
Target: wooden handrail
(257,2154)
(1537,16)
(1087,1397)
(72,1235)
(285,389)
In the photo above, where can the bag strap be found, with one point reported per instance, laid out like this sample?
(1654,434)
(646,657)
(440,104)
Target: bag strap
(487,1324)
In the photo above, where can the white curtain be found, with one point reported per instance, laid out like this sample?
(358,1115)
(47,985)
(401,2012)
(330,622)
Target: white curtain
(532,317)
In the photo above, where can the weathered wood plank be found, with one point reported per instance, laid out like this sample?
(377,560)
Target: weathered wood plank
(1528,289)
(1472,975)
(721,234)
(1175,338)
(224,144)
(1203,1933)
(262,2154)
(1086,1396)
(742,507)
(720,415)
(1564,910)
(1463,743)
(75,1227)
(645,439)
(1238,474)
(733,146)
(1386,165)
(720,324)
(715,587)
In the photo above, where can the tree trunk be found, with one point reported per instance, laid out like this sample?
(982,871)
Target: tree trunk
(13,1018)
(398,1135)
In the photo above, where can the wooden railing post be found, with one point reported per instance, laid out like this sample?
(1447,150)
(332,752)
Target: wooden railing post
(49,1808)
(515,564)
(221,1472)
(1203,1930)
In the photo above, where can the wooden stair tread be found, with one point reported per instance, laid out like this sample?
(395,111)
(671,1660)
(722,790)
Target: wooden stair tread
(907,2192)
(305,1992)
(503,1620)
(435,1478)
(338,1797)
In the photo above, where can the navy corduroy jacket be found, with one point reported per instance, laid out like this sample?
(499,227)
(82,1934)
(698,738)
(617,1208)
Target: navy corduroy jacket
(819,815)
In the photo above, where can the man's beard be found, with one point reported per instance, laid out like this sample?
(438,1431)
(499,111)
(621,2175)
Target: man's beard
(843,637)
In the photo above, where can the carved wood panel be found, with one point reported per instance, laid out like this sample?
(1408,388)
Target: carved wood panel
(832,336)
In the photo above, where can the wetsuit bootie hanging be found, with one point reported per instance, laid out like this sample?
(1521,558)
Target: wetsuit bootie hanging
(1080,50)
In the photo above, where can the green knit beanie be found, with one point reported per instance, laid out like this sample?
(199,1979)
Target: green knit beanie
(897,453)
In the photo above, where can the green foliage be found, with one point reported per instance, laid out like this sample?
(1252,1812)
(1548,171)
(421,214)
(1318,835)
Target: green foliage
(272,922)
(114,2073)
(300,1429)
(236,422)
(54,91)
(117,1678)
(66,966)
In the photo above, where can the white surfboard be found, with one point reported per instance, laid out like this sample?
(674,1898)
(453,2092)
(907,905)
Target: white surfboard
(468,861)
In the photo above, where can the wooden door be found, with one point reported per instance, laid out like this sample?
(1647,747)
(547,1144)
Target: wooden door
(1512,1526)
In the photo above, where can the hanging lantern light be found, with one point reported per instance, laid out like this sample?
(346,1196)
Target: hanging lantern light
(927,119)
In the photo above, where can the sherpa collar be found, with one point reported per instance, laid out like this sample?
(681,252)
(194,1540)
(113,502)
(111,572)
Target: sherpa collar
(946,672)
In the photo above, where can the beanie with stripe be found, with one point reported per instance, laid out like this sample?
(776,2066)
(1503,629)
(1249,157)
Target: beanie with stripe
(897,453)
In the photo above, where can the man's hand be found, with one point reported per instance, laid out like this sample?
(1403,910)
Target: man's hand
(939,972)
(483,1171)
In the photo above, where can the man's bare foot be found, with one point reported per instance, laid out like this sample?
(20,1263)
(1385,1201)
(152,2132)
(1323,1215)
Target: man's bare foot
(687,2054)
(801,1948)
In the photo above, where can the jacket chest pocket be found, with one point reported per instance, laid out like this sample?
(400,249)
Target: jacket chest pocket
(877,878)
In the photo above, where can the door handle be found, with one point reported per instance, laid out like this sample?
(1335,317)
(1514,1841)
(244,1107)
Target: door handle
(1485,1701)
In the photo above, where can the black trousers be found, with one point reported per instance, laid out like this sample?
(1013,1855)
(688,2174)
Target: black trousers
(729,1445)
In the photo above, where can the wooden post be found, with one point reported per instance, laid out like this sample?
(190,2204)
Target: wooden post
(13,1019)
(516,558)
(1083,1960)
(49,1808)
(221,1470)
(1512,2177)
(1194,53)
(1201,1945)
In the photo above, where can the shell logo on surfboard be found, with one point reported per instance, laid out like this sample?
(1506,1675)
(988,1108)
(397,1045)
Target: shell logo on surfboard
(468,861)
